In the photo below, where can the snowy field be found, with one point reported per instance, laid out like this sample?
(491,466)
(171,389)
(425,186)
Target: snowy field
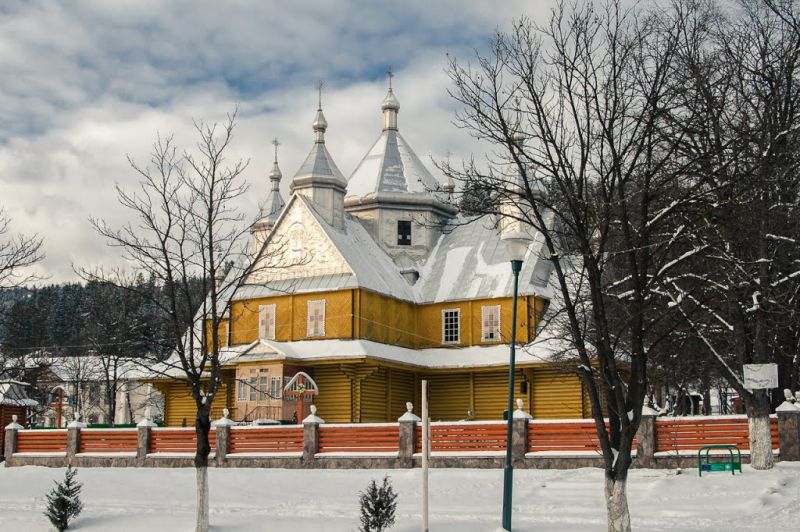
(279,500)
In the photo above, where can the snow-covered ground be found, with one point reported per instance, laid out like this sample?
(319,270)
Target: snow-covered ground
(279,500)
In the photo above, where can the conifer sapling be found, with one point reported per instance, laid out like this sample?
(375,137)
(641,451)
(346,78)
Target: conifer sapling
(63,501)
(378,505)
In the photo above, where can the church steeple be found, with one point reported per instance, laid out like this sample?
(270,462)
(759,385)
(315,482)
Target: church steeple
(396,198)
(272,207)
(318,178)
(320,124)
(274,200)
(390,106)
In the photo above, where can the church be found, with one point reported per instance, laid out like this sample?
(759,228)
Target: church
(372,283)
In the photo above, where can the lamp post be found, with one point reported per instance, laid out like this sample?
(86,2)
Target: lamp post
(517,245)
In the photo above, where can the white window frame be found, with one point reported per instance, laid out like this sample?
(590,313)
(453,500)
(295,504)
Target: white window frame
(275,387)
(311,331)
(458,326)
(485,310)
(252,383)
(262,388)
(264,332)
(241,392)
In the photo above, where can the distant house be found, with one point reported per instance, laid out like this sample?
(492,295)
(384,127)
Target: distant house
(14,401)
(381,283)
(68,386)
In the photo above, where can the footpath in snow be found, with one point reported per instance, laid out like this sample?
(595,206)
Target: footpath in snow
(279,500)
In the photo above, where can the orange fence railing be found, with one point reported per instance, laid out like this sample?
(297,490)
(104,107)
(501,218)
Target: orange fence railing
(178,441)
(359,438)
(42,441)
(108,441)
(468,437)
(578,436)
(266,440)
(692,433)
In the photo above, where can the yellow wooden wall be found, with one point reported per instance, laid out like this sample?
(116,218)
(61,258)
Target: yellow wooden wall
(372,316)
(334,401)
(222,334)
(556,395)
(385,319)
(291,312)
(401,386)
(179,406)
(371,392)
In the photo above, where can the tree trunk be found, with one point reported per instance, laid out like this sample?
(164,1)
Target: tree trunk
(202,500)
(760,433)
(202,427)
(619,517)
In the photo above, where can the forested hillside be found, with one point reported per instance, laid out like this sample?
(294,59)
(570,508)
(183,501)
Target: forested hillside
(75,319)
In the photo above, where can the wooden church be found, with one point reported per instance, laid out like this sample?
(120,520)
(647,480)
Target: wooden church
(380,283)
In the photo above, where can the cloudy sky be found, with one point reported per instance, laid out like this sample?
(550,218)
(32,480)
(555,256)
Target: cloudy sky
(86,83)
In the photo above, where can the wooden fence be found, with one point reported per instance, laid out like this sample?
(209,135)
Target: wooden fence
(691,433)
(108,441)
(466,437)
(532,440)
(364,438)
(42,441)
(265,440)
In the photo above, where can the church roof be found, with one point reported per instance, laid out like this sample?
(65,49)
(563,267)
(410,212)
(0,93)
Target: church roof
(319,163)
(469,261)
(370,266)
(541,350)
(391,166)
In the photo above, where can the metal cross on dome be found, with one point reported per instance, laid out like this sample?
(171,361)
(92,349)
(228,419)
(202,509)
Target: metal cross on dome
(391,75)
(276,144)
(320,86)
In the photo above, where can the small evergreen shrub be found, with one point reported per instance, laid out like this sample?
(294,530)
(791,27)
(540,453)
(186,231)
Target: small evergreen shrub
(377,507)
(63,501)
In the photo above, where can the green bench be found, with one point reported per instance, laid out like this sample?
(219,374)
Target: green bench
(732,464)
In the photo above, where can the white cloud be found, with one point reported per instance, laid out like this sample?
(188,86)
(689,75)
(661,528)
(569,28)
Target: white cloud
(88,82)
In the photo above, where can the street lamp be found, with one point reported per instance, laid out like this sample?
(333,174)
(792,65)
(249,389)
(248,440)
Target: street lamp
(517,245)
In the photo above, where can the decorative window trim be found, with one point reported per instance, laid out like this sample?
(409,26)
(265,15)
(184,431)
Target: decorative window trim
(457,339)
(266,332)
(314,330)
(494,334)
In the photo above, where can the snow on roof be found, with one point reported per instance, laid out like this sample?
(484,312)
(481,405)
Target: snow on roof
(391,166)
(471,262)
(319,163)
(372,267)
(12,393)
(432,358)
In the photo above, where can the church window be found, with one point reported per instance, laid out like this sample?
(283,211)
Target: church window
(266,322)
(490,323)
(451,326)
(316,318)
(403,232)
(241,392)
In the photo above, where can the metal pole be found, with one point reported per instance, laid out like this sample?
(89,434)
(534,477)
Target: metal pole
(508,468)
(425,454)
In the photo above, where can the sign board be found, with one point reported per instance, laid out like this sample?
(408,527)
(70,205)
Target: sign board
(760,376)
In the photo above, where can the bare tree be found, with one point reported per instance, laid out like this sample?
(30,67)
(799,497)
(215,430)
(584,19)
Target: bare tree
(740,117)
(188,231)
(582,152)
(17,252)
